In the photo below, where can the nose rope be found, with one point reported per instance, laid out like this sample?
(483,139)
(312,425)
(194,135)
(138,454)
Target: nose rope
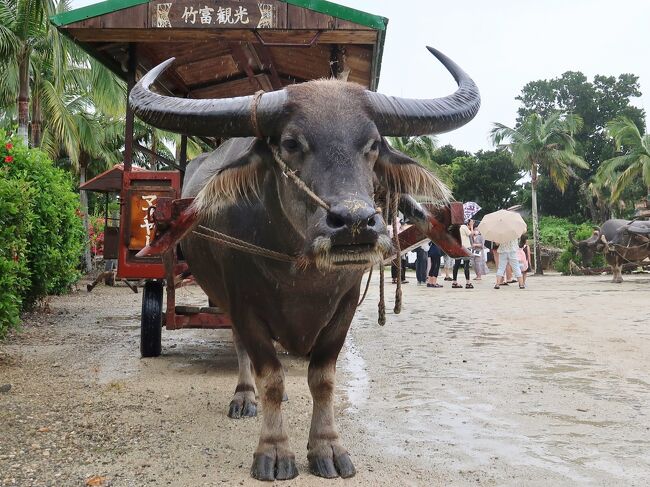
(288,173)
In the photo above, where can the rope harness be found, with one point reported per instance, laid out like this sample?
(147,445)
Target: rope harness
(612,247)
(615,248)
(244,246)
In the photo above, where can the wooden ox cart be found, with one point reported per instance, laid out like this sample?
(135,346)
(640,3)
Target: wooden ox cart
(223,48)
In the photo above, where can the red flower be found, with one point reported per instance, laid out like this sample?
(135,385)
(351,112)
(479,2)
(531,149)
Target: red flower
(9,145)
(9,158)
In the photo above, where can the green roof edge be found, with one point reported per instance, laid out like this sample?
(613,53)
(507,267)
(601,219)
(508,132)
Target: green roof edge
(94,10)
(342,12)
(321,6)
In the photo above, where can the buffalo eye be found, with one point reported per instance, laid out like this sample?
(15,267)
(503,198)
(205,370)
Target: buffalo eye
(374,147)
(290,145)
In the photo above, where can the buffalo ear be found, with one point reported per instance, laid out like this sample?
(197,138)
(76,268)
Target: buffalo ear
(240,178)
(399,173)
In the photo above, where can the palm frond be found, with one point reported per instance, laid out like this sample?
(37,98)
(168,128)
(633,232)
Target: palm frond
(625,179)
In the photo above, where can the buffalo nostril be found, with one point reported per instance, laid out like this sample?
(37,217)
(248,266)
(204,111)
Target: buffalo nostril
(372,221)
(334,221)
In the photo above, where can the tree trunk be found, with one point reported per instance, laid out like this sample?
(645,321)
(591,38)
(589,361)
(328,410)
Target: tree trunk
(23,98)
(37,119)
(537,254)
(83,199)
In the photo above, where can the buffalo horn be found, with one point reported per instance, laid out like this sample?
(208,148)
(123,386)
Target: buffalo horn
(404,116)
(225,117)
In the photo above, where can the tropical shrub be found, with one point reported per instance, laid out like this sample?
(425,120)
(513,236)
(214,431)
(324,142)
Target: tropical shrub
(15,224)
(44,235)
(554,233)
(582,232)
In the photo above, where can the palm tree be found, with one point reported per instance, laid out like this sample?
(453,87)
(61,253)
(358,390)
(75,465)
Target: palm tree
(622,171)
(23,27)
(542,145)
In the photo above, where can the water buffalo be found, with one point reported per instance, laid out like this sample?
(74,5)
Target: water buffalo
(621,241)
(330,134)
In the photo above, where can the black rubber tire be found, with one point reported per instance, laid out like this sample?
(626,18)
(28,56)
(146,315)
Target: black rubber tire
(151,319)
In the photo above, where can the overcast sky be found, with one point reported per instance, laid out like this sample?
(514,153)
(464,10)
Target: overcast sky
(503,44)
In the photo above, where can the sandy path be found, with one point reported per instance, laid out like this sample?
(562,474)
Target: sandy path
(481,387)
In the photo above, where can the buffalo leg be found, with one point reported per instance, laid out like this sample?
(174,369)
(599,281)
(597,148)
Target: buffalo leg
(327,457)
(617,270)
(243,404)
(273,459)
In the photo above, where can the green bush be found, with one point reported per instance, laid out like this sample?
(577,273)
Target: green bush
(47,213)
(554,231)
(582,232)
(15,224)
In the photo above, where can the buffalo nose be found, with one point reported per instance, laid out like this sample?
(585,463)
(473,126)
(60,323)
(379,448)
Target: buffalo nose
(361,217)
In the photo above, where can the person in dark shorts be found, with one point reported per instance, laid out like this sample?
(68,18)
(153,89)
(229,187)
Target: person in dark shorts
(434,254)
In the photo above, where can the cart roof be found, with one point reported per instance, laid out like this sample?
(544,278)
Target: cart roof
(109,181)
(226,48)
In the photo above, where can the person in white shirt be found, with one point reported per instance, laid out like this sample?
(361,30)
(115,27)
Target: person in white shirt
(508,255)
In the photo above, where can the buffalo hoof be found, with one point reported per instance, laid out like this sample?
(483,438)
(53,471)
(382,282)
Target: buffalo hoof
(242,406)
(273,467)
(335,464)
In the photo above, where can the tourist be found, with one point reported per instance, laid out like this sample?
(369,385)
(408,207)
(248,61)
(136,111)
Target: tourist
(508,255)
(434,254)
(523,255)
(394,262)
(448,264)
(478,254)
(422,263)
(464,261)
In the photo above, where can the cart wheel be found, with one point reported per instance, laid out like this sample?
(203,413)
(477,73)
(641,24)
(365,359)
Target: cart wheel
(151,319)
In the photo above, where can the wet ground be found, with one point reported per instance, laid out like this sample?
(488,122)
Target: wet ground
(543,386)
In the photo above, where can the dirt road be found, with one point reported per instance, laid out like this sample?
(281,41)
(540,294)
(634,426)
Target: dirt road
(545,386)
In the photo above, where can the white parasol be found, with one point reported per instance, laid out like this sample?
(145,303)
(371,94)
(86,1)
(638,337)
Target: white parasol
(502,226)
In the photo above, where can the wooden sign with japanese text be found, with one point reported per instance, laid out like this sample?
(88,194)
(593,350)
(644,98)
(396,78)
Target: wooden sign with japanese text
(141,226)
(221,14)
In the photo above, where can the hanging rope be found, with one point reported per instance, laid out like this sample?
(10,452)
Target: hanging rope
(394,201)
(381,306)
(367,286)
